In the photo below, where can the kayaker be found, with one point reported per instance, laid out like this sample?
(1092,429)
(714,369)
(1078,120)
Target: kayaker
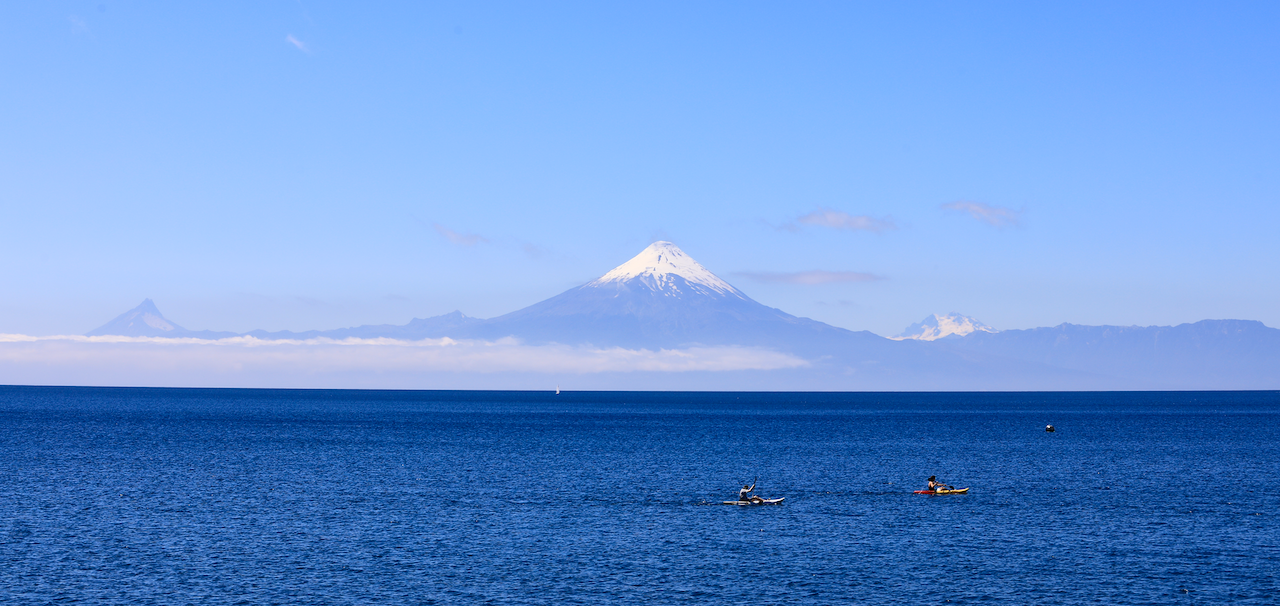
(934,484)
(745,493)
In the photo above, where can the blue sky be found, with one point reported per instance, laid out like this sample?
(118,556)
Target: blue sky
(303,165)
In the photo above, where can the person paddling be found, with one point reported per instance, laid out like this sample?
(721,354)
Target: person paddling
(935,485)
(745,493)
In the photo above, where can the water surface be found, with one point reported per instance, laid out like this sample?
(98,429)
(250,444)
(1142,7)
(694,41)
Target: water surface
(166,496)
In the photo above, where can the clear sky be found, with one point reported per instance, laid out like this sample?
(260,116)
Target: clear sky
(311,165)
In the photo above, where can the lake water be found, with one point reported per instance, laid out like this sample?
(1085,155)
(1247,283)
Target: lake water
(164,496)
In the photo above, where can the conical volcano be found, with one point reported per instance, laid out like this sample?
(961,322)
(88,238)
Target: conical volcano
(145,320)
(662,298)
(142,321)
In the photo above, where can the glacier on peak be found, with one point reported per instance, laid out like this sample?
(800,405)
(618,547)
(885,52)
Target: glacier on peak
(936,327)
(656,266)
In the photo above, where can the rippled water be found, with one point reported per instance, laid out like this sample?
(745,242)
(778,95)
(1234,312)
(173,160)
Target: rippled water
(155,496)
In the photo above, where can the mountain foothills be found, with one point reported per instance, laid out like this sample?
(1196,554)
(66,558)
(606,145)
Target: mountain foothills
(664,299)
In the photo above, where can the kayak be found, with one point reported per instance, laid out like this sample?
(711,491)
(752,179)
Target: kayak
(761,502)
(943,491)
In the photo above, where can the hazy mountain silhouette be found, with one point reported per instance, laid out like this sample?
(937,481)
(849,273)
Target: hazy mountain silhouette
(418,328)
(1210,354)
(145,320)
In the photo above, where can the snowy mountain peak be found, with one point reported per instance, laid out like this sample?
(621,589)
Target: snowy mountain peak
(658,265)
(936,327)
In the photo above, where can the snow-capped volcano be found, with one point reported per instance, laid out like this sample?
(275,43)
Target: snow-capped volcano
(663,266)
(936,327)
(661,298)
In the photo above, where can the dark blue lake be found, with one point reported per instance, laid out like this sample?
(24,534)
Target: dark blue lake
(164,496)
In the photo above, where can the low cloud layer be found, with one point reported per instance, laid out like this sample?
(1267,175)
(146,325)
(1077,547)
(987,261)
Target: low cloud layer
(997,216)
(810,277)
(836,219)
(218,362)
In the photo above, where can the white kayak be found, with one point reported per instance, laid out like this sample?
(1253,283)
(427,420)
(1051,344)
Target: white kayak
(760,502)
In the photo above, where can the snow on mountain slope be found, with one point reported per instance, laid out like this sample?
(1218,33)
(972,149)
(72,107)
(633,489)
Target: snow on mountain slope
(936,327)
(656,267)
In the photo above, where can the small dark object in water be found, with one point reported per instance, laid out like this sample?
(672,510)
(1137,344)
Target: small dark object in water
(1049,428)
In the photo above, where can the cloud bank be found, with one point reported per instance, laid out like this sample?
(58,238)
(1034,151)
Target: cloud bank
(221,361)
(809,277)
(997,216)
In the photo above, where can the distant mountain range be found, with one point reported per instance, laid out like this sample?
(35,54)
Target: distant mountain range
(663,299)
(1219,354)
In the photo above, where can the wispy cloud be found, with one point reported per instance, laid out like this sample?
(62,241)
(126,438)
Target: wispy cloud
(997,216)
(809,277)
(533,250)
(837,219)
(298,43)
(457,238)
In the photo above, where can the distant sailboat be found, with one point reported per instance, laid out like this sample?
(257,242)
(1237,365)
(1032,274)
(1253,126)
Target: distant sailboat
(557,390)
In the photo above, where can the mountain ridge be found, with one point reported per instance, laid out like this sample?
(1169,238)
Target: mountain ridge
(1245,353)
